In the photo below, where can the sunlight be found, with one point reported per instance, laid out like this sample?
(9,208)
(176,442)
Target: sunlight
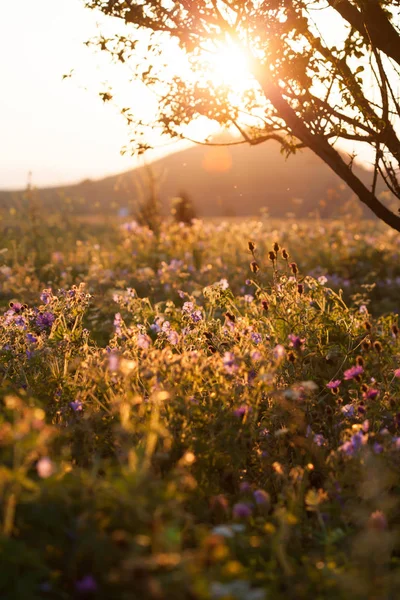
(230,66)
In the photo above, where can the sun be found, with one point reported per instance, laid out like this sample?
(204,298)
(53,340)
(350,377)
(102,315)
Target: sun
(230,66)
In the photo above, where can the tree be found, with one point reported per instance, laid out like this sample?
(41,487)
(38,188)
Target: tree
(309,87)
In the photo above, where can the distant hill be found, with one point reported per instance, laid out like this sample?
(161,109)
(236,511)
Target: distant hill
(221,181)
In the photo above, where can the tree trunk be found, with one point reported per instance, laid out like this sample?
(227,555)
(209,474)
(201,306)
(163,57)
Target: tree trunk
(321,147)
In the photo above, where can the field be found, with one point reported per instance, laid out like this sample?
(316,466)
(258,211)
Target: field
(208,412)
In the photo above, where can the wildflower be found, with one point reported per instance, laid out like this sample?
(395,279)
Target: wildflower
(46,296)
(377,521)
(244,487)
(279,352)
(113,361)
(256,337)
(377,448)
(296,342)
(223,284)
(223,531)
(348,410)
(353,372)
(322,280)
(241,511)
(76,406)
(86,585)
(248,298)
(254,267)
(229,362)
(173,337)
(319,439)
(242,411)
(196,316)
(118,323)
(143,341)
(370,394)
(363,309)
(188,307)
(45,467)
(396,373)
(256,355)
(261,497)
(334,385)
(45,320)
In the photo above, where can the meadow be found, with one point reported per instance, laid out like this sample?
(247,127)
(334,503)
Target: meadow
(204,412)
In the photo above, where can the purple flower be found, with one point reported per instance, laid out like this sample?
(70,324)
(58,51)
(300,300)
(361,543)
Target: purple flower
(76,406)
(241,511)
(229,362)
(45,320)
(242,410)
(46,296)
(20,322)
(196,316)
(370,394)
(143,341)
(261,497)
(319,439)
(245,487)
(188,307)
(248,298)
(348,410)
(256,355)
(30,338)
(256,337)
(296,342)
(377,448)
(86,585)
(118,323)
(333,385)
(353,372)
(173,337)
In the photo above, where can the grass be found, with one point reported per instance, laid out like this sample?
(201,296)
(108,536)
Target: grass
(192,416)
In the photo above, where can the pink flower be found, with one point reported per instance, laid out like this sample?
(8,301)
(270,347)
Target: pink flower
(353,372)
(45,467)
(333,385)
(397,373)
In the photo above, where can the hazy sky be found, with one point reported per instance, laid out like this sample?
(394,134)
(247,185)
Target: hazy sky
(57,129)
(51,127)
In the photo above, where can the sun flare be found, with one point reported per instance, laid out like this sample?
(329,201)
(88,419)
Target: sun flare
(230,66)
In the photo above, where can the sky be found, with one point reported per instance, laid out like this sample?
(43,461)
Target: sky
(57,130)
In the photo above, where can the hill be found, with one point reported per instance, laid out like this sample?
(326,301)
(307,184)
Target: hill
(221,181)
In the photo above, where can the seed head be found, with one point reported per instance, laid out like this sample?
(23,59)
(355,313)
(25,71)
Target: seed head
(294,268)
(378,347)
(276,247)
(265,305)
(367,326)
(360,361)
(254,267)
(252,246)
(230,316)
(300,288)
(272,256)
(285,254)
(395,330)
